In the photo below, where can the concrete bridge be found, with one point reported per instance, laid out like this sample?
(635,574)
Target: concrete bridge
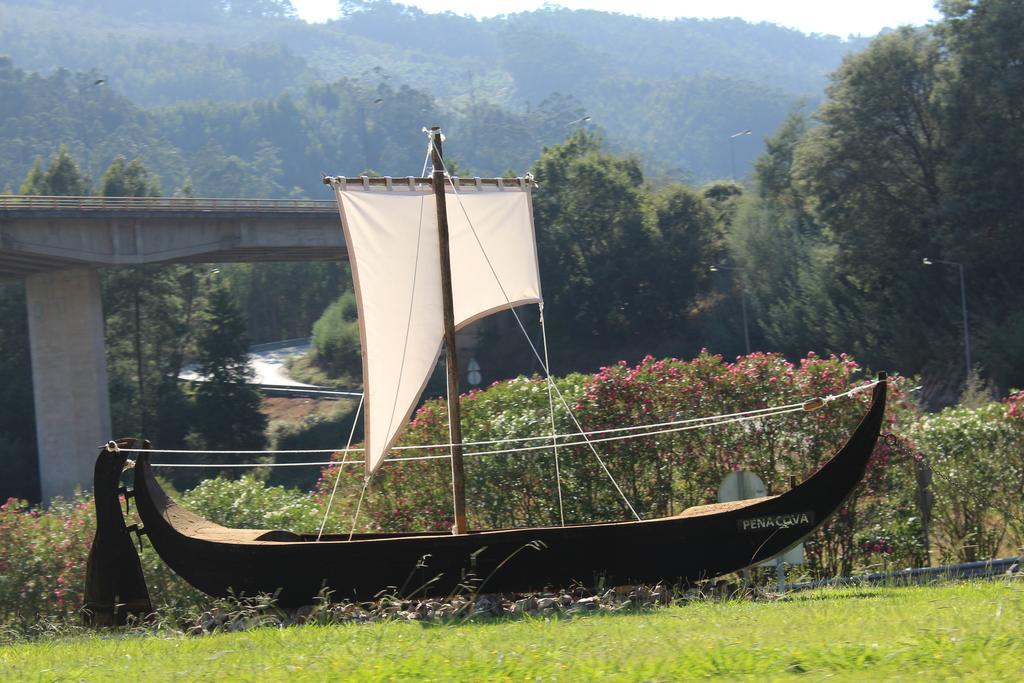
(58,244)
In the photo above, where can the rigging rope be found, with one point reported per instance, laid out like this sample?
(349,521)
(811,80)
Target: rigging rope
(813,404)
(551,411)
(525,449)
(672,426)
(529,341)
(426,159)
(451,444)
(697,422)
(337,478)
(359,504)
(738,417)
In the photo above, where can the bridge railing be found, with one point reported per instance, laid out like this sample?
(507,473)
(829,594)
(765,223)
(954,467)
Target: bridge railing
(11,202)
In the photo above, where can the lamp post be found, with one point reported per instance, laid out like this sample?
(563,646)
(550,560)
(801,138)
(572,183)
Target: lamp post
(732,149)
(743,303)
(963,305)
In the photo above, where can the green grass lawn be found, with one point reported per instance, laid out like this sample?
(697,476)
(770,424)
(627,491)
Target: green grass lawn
(954,631)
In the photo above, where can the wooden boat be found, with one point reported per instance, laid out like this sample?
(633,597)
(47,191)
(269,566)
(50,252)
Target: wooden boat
(702,542)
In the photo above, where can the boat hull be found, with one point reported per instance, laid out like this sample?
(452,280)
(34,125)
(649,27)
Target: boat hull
(699,544)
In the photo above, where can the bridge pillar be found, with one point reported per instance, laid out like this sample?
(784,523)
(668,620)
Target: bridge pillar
(69,376)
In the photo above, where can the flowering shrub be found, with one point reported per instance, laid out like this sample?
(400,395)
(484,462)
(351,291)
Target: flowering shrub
(670,472)
(42,559)
(1015,407)
(662,474)
(977,456)
(43,553)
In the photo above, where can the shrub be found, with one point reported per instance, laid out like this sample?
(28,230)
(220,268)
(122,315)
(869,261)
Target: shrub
(667,473)
(1014,510)
(248,503)
(336,338)
(978,481)
(44,552)
(42,565)
(660,474)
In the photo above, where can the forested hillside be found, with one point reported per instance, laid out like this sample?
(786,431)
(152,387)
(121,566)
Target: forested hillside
(672,91)
(259,148)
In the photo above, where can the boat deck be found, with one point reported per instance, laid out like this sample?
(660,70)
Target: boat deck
(197,527)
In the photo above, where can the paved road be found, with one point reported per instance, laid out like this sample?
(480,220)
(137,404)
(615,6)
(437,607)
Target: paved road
(268,364)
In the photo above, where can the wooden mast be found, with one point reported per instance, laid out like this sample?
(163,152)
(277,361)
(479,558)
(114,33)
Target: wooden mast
(454,409)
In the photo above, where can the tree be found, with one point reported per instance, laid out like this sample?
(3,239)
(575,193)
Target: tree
(218,174)
(283,300)
(918,153)
(61,177)
(227,407)
(773,170)
(984,116)
(872,174)
(593,243)
(878,158)
(128,180)
(778,248)
(266,163)
(686,241)
(147,329)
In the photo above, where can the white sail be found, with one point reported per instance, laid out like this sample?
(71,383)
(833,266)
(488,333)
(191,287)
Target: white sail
(391,234)
(500,225)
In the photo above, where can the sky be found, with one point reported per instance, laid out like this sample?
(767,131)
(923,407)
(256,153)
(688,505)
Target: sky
(835,17)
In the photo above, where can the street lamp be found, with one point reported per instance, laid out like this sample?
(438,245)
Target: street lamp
(963,305)
(732,149)
(743,303)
